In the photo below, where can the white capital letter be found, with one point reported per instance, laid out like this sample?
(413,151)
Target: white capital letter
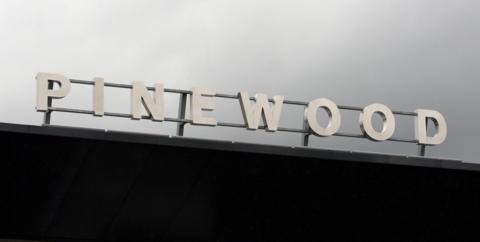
(252,113)
(44,93)
(154,106)
(388,122)
(421,127)
(333,112)
(199,104)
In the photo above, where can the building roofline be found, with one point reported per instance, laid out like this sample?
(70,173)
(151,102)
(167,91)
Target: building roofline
(295,151)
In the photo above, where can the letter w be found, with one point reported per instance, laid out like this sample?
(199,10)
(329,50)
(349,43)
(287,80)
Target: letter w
(261,108)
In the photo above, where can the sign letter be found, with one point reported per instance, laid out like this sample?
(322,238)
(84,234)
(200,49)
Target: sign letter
(421,127)
(388,122)
(333,112)
(44,93)
(154,106)
(252,113)
(199,104)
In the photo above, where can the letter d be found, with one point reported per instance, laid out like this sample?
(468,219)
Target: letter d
(421,127)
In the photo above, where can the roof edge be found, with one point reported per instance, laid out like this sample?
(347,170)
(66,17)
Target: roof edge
(296,151)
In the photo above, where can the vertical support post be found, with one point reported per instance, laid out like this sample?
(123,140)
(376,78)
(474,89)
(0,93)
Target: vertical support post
(182,105)
(421,147)
(421,150)
(48,114)
(305,136)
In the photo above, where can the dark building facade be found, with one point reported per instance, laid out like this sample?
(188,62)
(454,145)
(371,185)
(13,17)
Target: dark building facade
(70,184)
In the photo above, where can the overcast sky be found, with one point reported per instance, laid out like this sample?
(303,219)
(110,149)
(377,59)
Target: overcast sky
(406,54)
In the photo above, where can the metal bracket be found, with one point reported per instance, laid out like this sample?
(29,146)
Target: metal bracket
(421,150)
(48,114)
(182,105)
(305,136)
(422,147)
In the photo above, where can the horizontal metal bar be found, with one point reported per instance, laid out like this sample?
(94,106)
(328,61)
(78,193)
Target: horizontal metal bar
(122,115)
(234,125)
(352,108)
(231,96)
(108,84)
(76,81)
(70,110)
(405,113)
(350,135)
(222,95)
(300,103)
(174,91)
(292,130)
(178,120)
(127,86)
(224,124)
(403,140)
(363,136)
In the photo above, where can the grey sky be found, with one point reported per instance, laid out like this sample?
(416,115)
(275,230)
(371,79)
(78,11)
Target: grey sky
(406,54)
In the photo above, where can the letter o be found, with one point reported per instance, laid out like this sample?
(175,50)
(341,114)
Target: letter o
(333,113)
(366,122)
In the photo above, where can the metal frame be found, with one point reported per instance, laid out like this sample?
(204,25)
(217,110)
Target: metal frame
(181,120)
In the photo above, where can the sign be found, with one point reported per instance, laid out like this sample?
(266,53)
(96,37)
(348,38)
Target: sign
(254,110)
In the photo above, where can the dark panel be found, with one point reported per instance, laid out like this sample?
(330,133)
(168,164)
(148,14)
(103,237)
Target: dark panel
(74,189)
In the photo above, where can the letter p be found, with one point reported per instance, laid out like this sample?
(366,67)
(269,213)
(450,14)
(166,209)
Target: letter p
(46,91)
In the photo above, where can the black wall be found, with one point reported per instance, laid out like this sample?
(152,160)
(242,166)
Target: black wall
(72,189)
